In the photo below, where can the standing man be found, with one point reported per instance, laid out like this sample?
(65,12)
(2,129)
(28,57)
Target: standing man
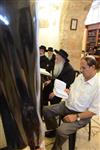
(51,57)
(44,61)
(62,71)
(83,102)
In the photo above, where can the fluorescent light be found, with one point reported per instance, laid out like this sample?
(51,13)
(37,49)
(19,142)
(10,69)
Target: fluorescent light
(4,20)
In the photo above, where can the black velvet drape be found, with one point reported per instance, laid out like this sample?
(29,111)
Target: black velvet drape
(19,76)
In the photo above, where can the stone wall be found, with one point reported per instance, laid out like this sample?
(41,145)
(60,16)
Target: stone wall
(71,40)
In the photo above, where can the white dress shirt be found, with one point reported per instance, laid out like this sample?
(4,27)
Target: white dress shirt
(85,95)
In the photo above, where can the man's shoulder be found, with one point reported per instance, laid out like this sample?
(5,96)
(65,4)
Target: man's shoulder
(68,67)
(44,58)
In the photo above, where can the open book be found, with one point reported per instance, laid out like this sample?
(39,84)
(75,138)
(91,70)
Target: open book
(59,89)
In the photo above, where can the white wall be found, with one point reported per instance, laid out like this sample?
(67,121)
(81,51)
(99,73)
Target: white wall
(49,12)
(49,37)
(94,13)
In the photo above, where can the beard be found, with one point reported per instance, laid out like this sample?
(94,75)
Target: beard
(49,57)
(58,68)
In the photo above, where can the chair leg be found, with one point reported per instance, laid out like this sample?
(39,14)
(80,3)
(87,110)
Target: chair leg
(89,138)
(72,139)
(59,123)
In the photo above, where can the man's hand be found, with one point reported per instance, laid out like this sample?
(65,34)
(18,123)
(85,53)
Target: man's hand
(70,118)
(73,117)
(51,95)
(67,91)
(47,82)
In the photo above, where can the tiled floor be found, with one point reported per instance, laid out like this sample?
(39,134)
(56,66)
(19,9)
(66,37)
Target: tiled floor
(82,142)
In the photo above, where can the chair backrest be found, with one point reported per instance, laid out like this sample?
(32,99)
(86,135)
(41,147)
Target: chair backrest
(77,72)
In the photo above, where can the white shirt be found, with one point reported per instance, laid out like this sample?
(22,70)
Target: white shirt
(85,95)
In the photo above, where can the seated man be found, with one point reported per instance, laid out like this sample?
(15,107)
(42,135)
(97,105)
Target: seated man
(62,71)
(83,102)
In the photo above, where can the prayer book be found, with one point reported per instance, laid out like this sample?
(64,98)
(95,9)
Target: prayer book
(59,89)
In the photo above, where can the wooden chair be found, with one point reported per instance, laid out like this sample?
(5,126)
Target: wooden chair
(72,138)
(77,72)
(89,130)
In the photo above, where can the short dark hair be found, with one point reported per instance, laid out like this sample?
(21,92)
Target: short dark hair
(90,61)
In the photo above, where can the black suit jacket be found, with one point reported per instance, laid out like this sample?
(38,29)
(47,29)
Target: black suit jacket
(44,62)
(67,75)
(52,63)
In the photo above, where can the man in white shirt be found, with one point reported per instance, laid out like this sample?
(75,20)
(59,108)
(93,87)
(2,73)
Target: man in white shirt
(83,102)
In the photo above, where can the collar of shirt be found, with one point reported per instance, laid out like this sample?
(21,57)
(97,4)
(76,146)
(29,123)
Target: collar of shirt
(92,80)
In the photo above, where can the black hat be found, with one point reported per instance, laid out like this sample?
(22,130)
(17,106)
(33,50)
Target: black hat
(62,53)
(42,47)
(50,49)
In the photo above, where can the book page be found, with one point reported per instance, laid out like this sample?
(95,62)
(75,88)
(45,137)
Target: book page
(44,72)
(59,89)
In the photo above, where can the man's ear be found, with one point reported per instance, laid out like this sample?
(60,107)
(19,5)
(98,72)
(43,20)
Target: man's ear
(93,66)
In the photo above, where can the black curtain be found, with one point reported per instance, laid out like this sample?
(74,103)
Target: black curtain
(19,76)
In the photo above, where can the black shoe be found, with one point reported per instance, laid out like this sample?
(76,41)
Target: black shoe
(5,148)
(50,134)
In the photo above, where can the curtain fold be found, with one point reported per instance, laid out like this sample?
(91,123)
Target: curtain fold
(19,74)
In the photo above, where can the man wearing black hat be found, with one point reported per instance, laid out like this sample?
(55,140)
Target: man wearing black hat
(62,71)
(51,57)
(44,61)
